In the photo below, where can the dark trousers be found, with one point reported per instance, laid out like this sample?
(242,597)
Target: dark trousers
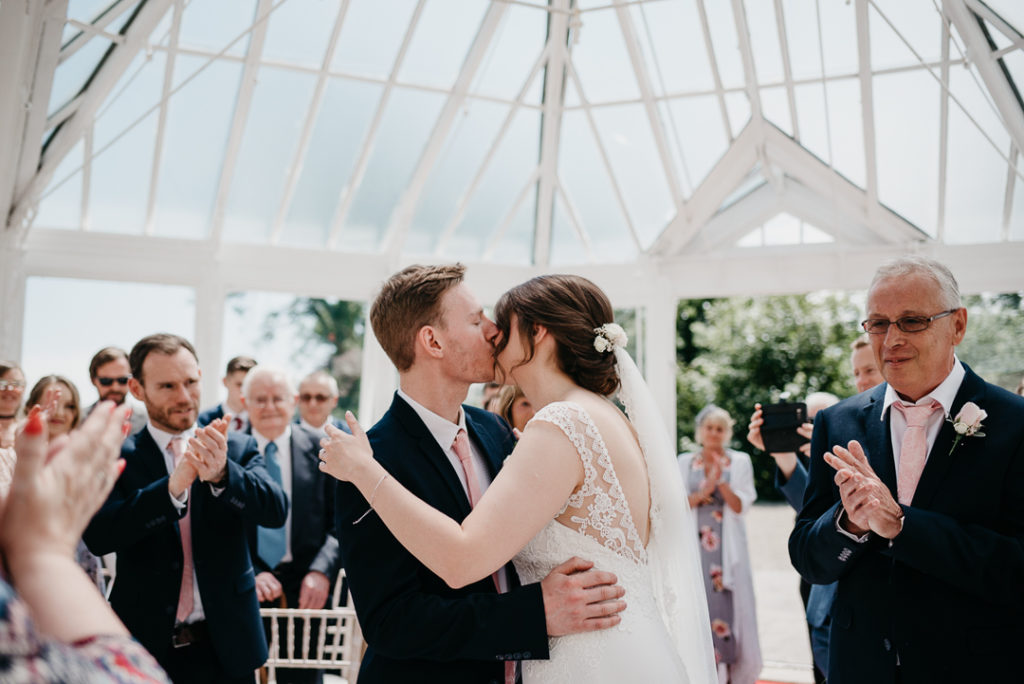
(290,576)
(197,663)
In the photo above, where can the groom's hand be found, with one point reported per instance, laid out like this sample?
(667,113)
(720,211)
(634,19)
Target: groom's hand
(580,599)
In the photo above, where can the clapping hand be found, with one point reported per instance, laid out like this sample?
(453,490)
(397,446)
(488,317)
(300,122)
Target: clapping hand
(868,503)
(208,451)
(343,454)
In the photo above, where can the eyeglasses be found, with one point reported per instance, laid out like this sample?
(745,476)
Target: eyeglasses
(107,382)
(321,398)
(11,385)
(263,402)
(908,324)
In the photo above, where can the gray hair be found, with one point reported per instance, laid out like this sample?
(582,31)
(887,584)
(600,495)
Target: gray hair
(715,414)
(817,401)
(278,375)
(323,376)
(919,265)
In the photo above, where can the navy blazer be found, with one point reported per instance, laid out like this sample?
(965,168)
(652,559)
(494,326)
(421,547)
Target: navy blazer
(313,543)
(209,415)
(417,628)
(947,595)
(140,524)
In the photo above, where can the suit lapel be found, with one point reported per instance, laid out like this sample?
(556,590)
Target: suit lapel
(942,453)
(430,453)
(878,444)
(303,465)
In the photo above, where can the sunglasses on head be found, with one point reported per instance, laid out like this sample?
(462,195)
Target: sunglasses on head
(107,382)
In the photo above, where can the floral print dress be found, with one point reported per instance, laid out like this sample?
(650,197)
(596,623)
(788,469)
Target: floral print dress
(720,599)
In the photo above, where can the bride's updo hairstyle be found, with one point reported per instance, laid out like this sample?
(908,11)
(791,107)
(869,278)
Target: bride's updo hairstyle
(570,307)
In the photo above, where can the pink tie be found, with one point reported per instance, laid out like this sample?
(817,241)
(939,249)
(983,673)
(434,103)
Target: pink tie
(461,448)
(914,448)
(185,597)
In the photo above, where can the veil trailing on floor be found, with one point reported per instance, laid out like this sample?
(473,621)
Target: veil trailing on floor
(672,548)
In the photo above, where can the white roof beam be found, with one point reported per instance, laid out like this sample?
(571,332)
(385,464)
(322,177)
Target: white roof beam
(732,223)
(550,131)
(102,82)
(348,192)
(979,52)
(940,228)
(730,170)
(867,108)
(97,28)
(401,217)
(787,67)
(161,127)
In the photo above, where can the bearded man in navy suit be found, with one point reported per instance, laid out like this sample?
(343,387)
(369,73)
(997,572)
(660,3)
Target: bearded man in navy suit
(916,501)
(177,519)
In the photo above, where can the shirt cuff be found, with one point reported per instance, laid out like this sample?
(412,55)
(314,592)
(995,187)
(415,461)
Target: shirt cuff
(179,502)
(215,490)
(840,512)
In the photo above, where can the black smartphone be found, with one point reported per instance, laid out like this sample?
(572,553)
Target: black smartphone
(780,424)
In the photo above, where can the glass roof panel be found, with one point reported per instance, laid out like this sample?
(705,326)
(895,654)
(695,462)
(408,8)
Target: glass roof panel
(738,107)
(298,31)
(195,137)
(515,48)
(754,238)
(61,202)
(626,133)
(917,22)
(279,104)
(1014,62)
(1012,11)
(814,236)
(120,180)
(566,247)
(975,184)
(782,229)
(500,186)
(764,41)
(212,24)
(586,182)
(408,120)
(811,114)
(722,27)
(601,60)
(371,35)
(775,107)
(698,121)
(803,38)
(967,87)
(472,136)
(516,245)
(673,43)
(847,128)
(139,89)
(341,126)
(839,37)
(90,11)
(74,72)
(434,62)
(906,143)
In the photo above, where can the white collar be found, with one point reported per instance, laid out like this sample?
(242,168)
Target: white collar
(443,430)
(281,441)
(945,393)
(163,438)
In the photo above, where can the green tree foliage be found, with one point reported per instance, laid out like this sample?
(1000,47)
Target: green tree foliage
(992,346)
(340,325)
(737,352)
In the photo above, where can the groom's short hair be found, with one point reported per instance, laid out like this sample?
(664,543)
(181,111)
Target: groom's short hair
(409,300)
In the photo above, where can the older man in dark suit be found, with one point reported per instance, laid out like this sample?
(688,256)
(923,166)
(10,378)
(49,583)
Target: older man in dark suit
(177,519)
(300,560)
(915,502)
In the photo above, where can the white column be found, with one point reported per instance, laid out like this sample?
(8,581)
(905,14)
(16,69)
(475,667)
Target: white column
(379,380)
(209,335)
(12,297)
(659,341)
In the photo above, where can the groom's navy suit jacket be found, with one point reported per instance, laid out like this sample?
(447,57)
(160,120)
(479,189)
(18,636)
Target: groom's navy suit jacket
(139,523)
(417,628)
(945,600)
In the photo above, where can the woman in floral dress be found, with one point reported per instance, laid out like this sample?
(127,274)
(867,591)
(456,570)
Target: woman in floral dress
(720,483)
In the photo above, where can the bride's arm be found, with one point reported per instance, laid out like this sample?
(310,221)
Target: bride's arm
(528,492)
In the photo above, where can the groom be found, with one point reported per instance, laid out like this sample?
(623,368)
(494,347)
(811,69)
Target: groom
(417,628)
(926,532)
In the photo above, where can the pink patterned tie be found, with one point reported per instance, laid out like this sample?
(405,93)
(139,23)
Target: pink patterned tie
(185,597)
(914,448)
(461,448)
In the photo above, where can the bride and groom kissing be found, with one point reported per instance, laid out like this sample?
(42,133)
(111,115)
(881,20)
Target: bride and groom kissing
(579,563)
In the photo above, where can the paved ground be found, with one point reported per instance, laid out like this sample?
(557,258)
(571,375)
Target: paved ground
(780,617)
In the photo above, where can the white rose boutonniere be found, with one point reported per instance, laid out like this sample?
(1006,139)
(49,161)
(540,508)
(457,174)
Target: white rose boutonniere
(967,423)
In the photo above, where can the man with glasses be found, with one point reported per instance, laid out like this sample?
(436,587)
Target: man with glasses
(915,502)
(109,374)
(318,397)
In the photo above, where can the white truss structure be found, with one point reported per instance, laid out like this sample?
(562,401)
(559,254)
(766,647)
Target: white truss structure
(765,167)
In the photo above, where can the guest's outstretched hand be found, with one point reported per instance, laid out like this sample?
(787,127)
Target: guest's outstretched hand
(343,454)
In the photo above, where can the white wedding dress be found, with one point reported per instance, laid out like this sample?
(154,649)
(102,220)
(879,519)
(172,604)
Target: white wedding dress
(641,648)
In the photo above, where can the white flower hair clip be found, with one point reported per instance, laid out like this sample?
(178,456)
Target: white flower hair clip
(609,337)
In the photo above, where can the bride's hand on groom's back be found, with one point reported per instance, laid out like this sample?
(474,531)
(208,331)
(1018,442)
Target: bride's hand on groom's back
(343,454)
(578,598)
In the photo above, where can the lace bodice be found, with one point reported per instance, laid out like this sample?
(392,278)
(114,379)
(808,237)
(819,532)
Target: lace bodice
(599,507)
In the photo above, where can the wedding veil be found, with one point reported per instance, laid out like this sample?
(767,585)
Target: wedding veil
(672,548)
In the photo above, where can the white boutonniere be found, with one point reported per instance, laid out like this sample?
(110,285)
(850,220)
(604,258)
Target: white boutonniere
(967,423)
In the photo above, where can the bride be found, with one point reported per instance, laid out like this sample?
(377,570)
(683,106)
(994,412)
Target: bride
(582,480)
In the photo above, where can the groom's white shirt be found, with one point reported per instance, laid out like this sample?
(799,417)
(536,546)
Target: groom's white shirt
(444,432)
